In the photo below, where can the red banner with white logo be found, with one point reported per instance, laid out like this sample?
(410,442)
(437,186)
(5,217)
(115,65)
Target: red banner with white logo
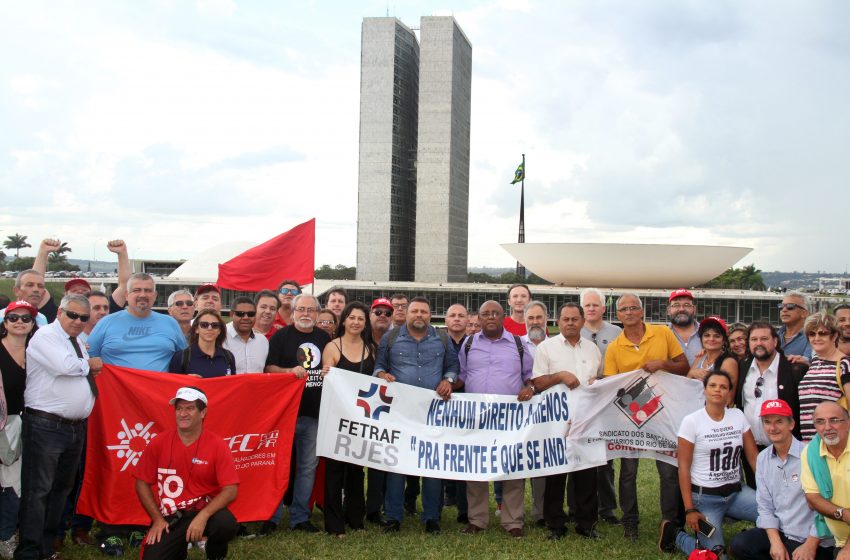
(255,414)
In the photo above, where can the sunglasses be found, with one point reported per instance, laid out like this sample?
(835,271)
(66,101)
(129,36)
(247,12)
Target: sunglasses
(789,306)
(822,334)
(759,384)
(289,291)
(74,316)
(184,303)
(13,318)
(209,326)
(244,313)
(382,312)
(325,323)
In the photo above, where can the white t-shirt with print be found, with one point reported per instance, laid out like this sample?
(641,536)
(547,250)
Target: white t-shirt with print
(718,446)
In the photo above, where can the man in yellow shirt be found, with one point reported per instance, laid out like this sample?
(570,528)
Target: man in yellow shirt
(832,426)
(651,348)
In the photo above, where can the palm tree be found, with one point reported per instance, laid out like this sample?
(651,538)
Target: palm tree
(63,248)
(16,242)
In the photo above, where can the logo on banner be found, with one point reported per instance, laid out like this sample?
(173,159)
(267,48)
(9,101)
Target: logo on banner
(309,356)
(371,408)
(132,442)
(638,402)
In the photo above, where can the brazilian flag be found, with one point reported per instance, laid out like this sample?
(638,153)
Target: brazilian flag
(519,175)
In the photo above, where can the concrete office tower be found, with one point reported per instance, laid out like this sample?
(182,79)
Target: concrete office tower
(386,205)
(442,202)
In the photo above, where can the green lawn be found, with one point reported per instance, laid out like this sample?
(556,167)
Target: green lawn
(412,542)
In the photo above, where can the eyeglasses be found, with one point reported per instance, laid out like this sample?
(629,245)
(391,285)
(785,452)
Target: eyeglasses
(832,421)
(289,291)
(184,303)
(489,314)
(628,309)
(307,309)
(325,323)
(678,305)
(759,385)
(382,312)
(789,306)
(244,313)
(13,318)
(822,334)
(399,306)
(74,316)
(209,326)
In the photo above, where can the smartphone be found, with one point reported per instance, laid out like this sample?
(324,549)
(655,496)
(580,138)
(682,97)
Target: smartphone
(706,528)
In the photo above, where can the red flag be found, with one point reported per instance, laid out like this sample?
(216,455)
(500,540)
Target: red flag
(255,414)
(290,255)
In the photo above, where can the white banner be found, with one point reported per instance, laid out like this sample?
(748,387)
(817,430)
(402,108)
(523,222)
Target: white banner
(404,429)
(637,414)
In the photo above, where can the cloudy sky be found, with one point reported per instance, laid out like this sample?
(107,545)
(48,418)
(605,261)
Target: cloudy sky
(178,125)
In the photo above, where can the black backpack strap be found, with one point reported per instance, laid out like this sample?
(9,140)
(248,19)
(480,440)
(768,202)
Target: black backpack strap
(521,351)
(467,345)
(187,354)
(231,360)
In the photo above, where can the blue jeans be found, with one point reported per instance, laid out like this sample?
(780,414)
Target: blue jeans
(740,505)
(432,502)
(9,505)
(306,461)
(51,456)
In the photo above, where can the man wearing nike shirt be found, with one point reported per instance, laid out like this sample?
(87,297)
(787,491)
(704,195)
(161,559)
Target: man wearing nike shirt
(137,337)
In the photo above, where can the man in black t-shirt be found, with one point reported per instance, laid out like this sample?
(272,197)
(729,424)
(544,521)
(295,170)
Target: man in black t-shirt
(297,349)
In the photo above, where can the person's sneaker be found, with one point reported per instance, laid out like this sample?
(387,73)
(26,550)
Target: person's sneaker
(391,526)
(7,548)
(305,526)
(432,527)
(630,532)
(267,528)
(667,536)
(135,539)
(112,546)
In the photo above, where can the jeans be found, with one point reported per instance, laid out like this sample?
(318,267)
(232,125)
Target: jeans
(628,491)
(432,499)
(306,461)
(51,456)
(10,503)
(71,520)
(753,544)
(740,505)
(605,487)
(670,496)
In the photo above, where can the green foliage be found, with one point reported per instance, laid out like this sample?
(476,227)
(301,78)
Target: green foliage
(21,263)
(746,278)
(16,242)
(504,278)
(339,272)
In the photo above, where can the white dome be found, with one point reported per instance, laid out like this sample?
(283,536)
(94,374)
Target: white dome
(204,265)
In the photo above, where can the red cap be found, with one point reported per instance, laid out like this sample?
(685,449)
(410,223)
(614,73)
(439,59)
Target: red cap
(204,288)
(777,407)
(382,302)
(21,304)
(713,320)
(77,282)
(681,292)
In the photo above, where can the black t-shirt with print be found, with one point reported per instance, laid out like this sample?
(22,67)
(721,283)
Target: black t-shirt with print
(290,347)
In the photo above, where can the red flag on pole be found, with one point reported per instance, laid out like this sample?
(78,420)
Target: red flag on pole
(254,414)
(290,255)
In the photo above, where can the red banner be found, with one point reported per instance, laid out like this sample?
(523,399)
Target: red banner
(255,414)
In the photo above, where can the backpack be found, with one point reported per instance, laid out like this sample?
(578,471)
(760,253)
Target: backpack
(228,357)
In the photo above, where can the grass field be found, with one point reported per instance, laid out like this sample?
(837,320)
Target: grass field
(413,543)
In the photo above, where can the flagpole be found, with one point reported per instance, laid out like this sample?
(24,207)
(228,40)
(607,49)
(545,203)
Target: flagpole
(520,269)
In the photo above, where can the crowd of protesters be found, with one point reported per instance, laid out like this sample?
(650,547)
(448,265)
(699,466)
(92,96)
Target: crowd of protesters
(770,446)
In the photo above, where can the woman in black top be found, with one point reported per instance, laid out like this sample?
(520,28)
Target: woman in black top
(353,349)
(205,356)
(16,330)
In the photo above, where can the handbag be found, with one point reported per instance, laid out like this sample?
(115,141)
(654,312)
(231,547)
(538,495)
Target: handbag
(10,440)
(842,402)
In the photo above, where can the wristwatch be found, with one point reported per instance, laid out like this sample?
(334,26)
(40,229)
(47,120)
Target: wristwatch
(449,379)
(839,513)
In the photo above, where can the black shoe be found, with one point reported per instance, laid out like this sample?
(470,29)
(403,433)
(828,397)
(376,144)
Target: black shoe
(462,518)
(391,526)
(611,519)
(540,523)
(588,533)
(432,527)
(268,528)
(630,532)
(667,536)
(557,534)
(305,526)
(112,546)
(374,517)
(410,507)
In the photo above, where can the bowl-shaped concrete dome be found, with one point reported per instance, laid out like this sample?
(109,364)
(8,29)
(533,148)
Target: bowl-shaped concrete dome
(623,265)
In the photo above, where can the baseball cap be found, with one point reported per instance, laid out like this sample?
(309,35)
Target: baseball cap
(77,282)
(713,320)
(21,304)
(188,394)
(777,407)
(382,302)
(681,292)
(204,288)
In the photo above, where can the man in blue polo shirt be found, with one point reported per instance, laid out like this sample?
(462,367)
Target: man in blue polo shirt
(419,357)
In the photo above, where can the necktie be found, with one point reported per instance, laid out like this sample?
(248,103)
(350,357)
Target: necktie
(89,377)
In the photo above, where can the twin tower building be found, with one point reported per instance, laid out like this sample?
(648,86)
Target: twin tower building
(413,183)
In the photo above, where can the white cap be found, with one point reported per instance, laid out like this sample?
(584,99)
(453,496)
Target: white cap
(188,394)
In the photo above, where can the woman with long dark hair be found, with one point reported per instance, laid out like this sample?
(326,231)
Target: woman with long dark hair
(354,350)
(205,356)
(715,355)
